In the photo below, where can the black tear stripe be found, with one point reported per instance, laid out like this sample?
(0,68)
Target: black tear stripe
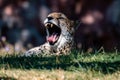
(58,22)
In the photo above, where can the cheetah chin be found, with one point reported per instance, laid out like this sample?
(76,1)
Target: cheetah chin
(59,37)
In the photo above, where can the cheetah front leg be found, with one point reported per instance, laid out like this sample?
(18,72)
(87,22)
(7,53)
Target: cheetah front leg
(41,50)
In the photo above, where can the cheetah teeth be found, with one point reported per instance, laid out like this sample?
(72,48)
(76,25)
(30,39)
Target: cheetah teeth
(51,25)
(46,25)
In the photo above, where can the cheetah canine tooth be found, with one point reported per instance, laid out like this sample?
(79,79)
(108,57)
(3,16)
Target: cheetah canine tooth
(51,25)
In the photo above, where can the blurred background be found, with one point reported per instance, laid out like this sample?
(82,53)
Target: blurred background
(21,23)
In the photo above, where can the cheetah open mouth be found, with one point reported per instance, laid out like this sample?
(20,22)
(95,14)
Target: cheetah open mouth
(53,33)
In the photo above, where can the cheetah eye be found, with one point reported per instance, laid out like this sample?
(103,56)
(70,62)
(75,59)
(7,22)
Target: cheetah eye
(60,18)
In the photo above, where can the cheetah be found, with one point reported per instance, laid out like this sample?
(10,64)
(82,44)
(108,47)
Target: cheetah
(59,39)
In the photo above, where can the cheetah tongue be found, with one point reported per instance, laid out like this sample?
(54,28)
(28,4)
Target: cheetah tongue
(52,38)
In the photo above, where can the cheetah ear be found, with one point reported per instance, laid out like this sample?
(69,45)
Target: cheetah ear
(77,24)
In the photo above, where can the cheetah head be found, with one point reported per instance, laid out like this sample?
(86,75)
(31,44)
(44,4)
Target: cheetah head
(59,28)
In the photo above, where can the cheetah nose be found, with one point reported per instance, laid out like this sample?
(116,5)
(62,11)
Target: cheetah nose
(49,18)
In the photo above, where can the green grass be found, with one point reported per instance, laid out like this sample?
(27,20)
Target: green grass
(76,66)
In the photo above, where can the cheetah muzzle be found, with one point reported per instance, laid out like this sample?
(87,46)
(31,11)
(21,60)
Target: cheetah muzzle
(59,37)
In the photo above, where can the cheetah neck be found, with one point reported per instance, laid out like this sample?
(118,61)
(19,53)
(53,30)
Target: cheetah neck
(63,40)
